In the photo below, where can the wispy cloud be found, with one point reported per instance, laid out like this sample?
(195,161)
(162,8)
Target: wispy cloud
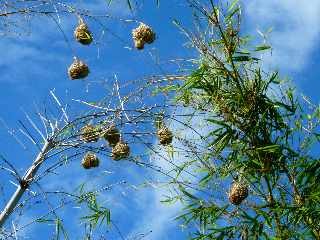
(160,217)
(296,29)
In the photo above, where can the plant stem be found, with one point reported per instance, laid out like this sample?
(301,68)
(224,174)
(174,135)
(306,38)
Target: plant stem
(24,183)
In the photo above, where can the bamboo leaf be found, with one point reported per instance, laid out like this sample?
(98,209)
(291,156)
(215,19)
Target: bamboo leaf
(233,4)
(186,193)
(262,48)
(269,148)
(129,4)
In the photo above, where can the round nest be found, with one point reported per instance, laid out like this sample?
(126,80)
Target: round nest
(143,34)
(89,133)
(238,192)
(112,135)
(82,33)
(165,136)
(120,150)
(90,160)
(78,70)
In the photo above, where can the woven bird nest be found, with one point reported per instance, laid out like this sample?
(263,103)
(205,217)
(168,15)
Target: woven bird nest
(165,136)
(120,150)
(82,33)
(89,133)
(112,135)
(78,70)
(90,160)
(143,34)
(238,192)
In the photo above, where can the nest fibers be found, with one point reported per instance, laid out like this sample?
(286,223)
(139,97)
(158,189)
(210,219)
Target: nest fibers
(120,150)
(90,160)
(143,34)
(89,133)
(238,192)
(112,135)
(78,70)
(165,136)
(82,33)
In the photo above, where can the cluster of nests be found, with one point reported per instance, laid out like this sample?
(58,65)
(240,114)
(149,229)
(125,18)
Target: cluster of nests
(78,69)
(90,133)
(120,149)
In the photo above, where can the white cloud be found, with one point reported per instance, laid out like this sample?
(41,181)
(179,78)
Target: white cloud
(159,217)
(295,33)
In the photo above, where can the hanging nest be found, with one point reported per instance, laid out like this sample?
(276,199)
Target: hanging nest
(143,34)
(82,33)
(238,192)
(78,69)
(89,133)
(120,150)
(112,135)
(90,160)
(165,136)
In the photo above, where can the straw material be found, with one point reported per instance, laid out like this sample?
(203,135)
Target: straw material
(143,34)
(82,33)
(89,133)
(112,135)
(238,192)
(90,160)
(165,136)
(120,151)
(78,70)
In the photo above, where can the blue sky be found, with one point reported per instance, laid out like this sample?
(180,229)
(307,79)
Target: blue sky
(32,65)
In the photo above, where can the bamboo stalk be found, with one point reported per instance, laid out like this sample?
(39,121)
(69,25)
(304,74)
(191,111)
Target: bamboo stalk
(14,200)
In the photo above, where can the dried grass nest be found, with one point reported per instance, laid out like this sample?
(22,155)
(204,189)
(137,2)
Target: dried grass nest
(120,151)
(143,34)
(78,70)
(89,133)
(165,136)
(82,33)
(112,135)
(237,193)
(90,160)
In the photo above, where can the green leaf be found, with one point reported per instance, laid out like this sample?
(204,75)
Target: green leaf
(109,2)
(232,5)
(269,148)
(170,151)
(218,122)
(59,229)
(229,17)
(243,58)
(262,48)
(204,181)
(129,4)
(186,193)
(221,142)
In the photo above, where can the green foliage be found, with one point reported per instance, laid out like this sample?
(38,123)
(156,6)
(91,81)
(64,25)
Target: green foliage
(263,135)
(97,214)
(60,230)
